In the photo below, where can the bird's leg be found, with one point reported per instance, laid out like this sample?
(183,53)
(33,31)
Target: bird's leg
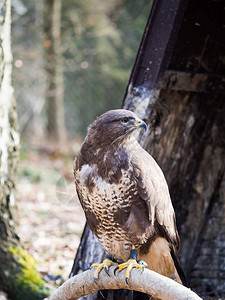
(130,264)
(107,262)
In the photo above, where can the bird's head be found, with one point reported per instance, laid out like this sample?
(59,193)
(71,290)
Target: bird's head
(114,124)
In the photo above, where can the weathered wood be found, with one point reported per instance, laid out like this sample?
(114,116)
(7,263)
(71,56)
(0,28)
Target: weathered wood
(148,282)
(156,46)
(193,82)
(188,143)
(153,56)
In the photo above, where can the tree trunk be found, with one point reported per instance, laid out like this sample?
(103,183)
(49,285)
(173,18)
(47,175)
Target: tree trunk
(18,276)
(54,70)
(188,143)
(181,98)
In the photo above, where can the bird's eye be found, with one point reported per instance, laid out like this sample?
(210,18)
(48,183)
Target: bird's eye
(125,120)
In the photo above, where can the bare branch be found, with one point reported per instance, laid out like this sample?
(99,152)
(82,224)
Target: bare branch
(148,282)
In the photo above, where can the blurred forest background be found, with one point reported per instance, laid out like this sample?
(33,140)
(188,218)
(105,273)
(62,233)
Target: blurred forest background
(99,41)
(72,61)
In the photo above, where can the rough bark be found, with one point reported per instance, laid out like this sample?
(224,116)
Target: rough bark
(54,70)
(188,143)
(18,276)
(149,282)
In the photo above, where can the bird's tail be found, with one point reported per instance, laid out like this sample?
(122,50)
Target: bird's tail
(178,267)
(162,258)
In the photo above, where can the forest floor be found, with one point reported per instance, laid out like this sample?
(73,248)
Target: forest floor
(51,219)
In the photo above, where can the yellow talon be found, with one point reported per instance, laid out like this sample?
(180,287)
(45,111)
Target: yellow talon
(104,265)
(130,264)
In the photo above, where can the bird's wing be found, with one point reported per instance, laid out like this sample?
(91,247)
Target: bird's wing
(153,189)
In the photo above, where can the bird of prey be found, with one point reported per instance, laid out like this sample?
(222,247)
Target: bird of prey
(125,198)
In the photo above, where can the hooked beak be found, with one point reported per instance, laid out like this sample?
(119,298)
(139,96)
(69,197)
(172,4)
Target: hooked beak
(138,123)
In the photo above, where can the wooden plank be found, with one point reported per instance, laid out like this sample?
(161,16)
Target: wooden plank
(156,47)
(193,82)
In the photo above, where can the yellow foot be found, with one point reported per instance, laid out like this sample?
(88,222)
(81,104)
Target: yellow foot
(130,264)
(104,265)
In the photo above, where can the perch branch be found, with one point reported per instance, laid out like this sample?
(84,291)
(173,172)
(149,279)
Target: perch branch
(148,282)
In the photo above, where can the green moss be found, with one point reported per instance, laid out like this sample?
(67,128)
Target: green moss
(28,283)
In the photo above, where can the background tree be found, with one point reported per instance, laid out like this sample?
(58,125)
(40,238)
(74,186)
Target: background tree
(54,94)
(98,43)
(18,274)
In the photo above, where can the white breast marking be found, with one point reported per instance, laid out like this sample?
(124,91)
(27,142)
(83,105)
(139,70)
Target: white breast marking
(85,171)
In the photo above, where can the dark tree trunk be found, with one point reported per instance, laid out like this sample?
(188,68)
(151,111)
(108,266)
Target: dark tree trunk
(185,109)
(188,143)
(18,276)
(54,70)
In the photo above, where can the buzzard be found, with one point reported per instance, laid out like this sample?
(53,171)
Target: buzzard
(125,198)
